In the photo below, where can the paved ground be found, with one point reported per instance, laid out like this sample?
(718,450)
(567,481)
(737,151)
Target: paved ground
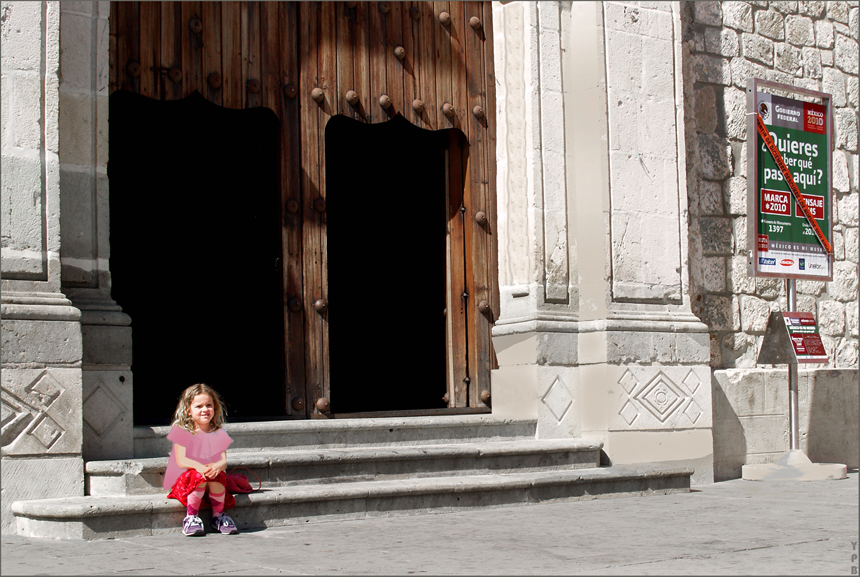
(730,528)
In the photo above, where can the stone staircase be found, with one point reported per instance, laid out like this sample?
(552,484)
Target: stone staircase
(322,470)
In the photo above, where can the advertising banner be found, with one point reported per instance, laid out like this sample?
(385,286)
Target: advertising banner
(785,238)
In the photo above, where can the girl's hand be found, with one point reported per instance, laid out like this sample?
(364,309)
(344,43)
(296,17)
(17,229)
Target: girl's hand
(213,470)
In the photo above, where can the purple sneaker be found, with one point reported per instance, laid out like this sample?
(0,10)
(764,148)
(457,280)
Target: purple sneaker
(192,526)
(224,524)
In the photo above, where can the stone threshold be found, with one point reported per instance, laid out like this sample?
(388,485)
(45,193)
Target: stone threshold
(118,516)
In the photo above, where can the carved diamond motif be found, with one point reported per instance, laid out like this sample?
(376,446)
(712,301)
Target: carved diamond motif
(629,412)
(102,410)
(628,382)
(47,431)
(693,411)
(557,399)
(692,382)
(46,389)
(661,397)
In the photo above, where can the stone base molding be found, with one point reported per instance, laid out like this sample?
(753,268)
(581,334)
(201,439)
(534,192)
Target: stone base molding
(40,398)
(642,386)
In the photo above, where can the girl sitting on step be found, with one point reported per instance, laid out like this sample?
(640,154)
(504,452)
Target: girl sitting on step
(199,458)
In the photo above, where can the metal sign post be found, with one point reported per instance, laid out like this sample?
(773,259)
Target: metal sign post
(793,411)
(789,232)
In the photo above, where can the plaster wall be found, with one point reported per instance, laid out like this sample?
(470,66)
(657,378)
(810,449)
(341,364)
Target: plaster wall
(594,359)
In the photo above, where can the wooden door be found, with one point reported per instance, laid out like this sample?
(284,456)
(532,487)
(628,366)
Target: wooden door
(429,62)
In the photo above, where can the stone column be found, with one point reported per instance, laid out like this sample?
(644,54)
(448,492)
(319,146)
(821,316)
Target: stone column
(596,337)
(41,331)
(84,91)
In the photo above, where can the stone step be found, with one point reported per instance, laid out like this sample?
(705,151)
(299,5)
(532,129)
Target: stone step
(331,433)
(280,468)
(124,516)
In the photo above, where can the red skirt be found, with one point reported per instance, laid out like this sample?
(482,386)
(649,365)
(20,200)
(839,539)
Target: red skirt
(188,482)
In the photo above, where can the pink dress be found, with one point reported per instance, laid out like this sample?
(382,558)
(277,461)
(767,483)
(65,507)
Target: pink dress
(204,448)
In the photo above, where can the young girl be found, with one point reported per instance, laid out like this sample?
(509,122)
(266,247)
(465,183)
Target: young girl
(199,458)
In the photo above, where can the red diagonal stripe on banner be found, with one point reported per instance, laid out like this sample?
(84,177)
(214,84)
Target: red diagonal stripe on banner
(777,157)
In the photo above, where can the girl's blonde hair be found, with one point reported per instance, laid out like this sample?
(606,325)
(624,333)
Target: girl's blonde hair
(181,417)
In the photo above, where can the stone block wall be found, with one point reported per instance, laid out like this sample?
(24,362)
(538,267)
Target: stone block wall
(84,98)
(751,422)
(40,331)
(813,45)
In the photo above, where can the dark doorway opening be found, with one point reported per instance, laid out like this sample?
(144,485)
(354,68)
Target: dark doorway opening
(386,223)
(195,252)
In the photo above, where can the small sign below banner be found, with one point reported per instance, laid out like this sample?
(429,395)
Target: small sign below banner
(805,339)
(791,338)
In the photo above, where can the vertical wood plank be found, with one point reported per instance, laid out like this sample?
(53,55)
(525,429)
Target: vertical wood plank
(150,48)
(171,49)
(410,74)
(345,20)
(251,52)
(315,359)
(477,235)
(270,93)
(490,154)
(211,49)
(459,93)
(291,175)
(192,49)
(362,59)
(377,48)
(458,307)
(128,43)
(244,49)
(443,67)
(327,70)
(133,32)
(427,67)
(393,66)
(327,77)
(231,55)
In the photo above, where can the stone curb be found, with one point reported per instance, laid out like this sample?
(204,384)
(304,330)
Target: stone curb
(77,508)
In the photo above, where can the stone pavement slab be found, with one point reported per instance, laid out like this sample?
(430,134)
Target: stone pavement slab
(730,528)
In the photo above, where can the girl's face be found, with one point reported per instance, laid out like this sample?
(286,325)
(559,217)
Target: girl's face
(201,411)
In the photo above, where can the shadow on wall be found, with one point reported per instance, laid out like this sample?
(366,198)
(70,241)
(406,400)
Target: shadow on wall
(833,434)
(730,445)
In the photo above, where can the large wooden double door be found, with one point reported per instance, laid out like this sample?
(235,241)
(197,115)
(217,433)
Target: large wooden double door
(385,188)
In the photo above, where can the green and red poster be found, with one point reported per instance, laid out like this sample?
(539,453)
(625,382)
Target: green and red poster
(783,241)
